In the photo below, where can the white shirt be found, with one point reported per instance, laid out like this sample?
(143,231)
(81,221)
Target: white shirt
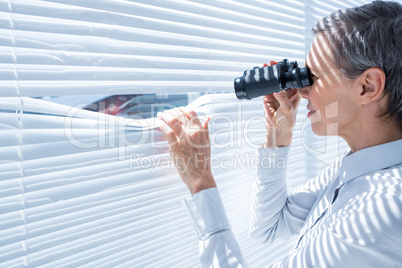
(360,227)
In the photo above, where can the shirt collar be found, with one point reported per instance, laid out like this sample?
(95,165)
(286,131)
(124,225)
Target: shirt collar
(370,159)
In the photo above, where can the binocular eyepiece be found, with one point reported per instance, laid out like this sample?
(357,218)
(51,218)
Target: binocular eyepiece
(275,78)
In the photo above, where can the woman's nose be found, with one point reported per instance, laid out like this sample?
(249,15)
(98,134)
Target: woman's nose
(303,92)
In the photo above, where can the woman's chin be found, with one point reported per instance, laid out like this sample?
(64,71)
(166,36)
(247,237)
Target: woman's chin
(321,129)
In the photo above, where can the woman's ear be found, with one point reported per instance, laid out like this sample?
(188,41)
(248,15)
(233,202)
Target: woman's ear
(372,83)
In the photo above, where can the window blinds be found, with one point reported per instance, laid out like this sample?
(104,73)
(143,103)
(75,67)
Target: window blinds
(80,188)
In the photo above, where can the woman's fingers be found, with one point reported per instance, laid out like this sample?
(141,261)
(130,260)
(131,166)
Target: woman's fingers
(173,119)
(168,132)
(271,104)
(191,115)
(267,111)
(283,100)
(280,113)
(294,96)
(183,125)
(206,129)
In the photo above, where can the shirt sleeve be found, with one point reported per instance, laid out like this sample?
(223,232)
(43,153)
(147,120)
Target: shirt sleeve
(218,245)
(274,213)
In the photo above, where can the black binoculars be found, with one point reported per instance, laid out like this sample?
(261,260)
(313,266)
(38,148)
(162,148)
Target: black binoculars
(275,78)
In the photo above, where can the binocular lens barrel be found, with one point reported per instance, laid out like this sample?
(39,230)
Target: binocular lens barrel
(275,78)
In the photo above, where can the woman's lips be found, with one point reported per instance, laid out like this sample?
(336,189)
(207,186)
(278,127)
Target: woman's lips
(311,112)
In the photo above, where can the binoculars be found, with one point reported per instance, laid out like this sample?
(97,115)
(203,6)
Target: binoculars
(275,78)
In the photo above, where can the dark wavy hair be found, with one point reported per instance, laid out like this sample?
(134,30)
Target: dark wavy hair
(369,36)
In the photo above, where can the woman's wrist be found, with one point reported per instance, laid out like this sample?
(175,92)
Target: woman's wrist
(198,184)
(278,140)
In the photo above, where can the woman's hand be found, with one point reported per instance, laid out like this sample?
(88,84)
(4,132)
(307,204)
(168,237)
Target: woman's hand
(189,146)
(280,116)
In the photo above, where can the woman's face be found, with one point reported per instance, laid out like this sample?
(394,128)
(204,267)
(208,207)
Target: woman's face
(331,102)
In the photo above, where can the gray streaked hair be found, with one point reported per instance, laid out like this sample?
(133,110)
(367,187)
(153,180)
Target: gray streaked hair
(369,36)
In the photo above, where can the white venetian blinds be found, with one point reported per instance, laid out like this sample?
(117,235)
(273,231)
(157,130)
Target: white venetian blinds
(91,47)
(78,188)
